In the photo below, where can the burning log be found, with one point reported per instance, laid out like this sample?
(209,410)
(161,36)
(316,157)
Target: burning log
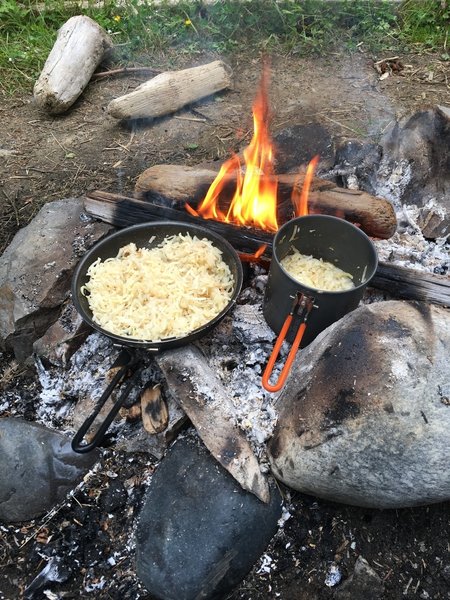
(80,47)
(203,398)
(122,211)
(401,282)
(179,184)
(168,92)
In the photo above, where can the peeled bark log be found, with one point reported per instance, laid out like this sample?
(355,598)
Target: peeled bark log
(80,47)
(179,184)
(168,92)
(182,184)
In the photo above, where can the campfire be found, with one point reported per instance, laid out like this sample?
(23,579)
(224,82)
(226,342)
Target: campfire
(213,384)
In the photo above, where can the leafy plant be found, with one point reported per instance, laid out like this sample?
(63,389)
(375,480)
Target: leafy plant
(28,28)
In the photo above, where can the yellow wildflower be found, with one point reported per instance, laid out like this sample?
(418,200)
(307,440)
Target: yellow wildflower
(117,18)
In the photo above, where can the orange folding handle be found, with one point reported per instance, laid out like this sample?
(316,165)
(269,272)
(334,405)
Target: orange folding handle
(292,352)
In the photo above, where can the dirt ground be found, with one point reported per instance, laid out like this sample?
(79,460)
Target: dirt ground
(43,158)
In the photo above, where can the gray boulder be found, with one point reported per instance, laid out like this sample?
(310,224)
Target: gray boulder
(38,467)
(36,269)
(365,414)
(199,532)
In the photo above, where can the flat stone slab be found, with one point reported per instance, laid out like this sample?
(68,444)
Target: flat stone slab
(38,469)
(199,532)
(365,414)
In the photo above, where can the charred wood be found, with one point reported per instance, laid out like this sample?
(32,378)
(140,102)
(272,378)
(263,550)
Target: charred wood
(400,282)
(410,284)
(155,414)
(122,211)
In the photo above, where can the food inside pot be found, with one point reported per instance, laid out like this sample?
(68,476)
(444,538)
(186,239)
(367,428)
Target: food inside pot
(316,273)
(165,291)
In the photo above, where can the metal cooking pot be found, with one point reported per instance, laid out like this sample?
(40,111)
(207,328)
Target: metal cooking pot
(298,313)
(146,235)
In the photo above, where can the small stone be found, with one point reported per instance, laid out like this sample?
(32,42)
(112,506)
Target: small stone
(199,532)
(363,584)
(434,221)
(38,467)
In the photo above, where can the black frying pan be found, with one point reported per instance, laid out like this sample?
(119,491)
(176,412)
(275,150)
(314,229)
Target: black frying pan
(146,235)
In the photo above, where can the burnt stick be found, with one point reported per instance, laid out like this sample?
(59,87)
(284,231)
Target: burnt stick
(398,281)
(122,211)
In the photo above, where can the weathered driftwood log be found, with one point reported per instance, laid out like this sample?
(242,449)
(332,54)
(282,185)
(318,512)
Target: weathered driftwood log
(365,414)
(80,47)
(180,184)
(401,282)
(168,92)
(203,398)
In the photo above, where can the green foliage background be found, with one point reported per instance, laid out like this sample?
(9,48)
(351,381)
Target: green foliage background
(28,29)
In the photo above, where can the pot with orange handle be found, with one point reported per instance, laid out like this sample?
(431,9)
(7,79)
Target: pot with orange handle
(298,313)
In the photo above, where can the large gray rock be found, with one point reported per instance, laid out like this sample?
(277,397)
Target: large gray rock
(365,415)
(38,468)
(416,159)
(199,532)
(36,269)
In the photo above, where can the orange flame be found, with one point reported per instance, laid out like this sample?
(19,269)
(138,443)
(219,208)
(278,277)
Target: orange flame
(300,198)
(254,202)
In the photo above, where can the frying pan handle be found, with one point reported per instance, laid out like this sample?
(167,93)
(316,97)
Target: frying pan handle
(77,441)
(304,305)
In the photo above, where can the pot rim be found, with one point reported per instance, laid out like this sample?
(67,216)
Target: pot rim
(342,222)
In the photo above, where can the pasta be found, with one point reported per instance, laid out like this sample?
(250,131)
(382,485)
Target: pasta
(155,293)
(316,273)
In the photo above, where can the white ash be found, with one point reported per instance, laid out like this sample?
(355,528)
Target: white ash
(410,249)
(393,179)
(238,350)
(267,564)
(407,247)
(83,378)
(333,576)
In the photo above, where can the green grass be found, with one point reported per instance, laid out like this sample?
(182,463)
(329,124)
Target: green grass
(28,29)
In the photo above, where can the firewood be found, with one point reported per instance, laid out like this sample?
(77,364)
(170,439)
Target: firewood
(155,415)
(123,211)
(170,91)
(401,282)
(201,395)
(80,47)
(179,184)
